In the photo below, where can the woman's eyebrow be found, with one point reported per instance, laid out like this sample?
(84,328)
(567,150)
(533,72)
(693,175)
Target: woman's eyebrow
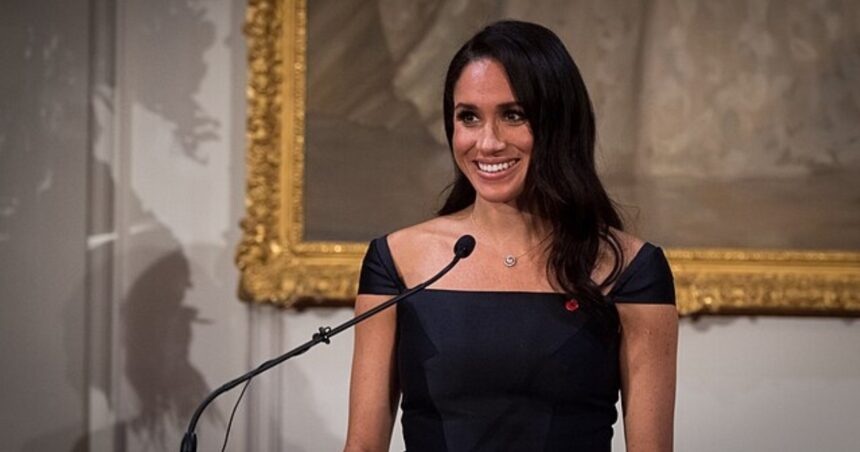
(507,105)
(504,106)
(465,106)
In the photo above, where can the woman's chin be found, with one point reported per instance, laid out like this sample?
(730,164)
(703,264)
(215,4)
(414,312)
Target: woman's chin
(497,196)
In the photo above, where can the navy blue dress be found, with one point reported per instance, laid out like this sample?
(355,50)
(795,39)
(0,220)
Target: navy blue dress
(508,371)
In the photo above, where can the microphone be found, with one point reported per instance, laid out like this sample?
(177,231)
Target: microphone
(464,246)
(462,249)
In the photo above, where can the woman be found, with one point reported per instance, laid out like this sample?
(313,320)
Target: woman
(525,344)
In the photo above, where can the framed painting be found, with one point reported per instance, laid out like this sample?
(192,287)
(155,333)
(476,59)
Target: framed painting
(737,163)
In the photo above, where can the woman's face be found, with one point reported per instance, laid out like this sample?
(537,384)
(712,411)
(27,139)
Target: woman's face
(492,139)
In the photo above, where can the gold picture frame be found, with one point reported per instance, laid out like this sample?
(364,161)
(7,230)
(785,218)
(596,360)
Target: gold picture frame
(278,266)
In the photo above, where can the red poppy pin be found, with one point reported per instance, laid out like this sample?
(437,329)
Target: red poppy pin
(571,305)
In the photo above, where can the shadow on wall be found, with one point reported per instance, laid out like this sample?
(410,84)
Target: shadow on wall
(163,387)
(155,326)
(157,336)
(170,92)
(155,332)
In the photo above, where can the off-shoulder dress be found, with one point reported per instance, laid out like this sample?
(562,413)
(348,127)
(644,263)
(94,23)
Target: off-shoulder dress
(508,371)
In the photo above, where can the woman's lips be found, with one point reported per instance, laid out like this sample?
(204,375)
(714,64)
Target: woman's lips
(496,170)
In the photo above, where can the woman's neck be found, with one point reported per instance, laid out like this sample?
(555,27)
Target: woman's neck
(502,221)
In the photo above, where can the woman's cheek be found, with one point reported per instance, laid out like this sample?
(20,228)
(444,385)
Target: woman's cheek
(461,143)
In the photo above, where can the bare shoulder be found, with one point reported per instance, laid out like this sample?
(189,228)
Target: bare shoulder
(420,250)
(418,237)
(629,243)
(630,246)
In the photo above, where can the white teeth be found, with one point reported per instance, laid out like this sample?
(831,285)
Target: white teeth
(495,167)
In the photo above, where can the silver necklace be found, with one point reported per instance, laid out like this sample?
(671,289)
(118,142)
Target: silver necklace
(510,260)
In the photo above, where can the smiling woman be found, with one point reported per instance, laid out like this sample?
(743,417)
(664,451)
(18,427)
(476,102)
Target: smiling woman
(587,309)
(491,134)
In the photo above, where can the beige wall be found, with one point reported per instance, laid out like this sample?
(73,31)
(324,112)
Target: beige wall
(43,222)
(116,244)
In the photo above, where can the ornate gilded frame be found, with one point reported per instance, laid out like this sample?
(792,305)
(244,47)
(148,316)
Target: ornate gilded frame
(277,266)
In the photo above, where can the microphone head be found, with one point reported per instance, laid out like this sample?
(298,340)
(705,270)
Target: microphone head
(464,246)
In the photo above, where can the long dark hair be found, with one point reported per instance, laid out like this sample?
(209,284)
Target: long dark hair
(561,187)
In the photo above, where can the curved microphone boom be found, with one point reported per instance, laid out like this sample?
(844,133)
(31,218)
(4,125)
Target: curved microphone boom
(462,249)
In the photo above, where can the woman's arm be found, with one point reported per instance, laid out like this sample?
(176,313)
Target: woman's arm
(648,356)
(373,391)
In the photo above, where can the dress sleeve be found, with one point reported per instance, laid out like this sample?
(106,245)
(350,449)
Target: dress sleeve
(647,279)
(378,273)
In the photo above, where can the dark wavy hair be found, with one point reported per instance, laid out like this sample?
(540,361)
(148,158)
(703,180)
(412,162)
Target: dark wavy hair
(561,186)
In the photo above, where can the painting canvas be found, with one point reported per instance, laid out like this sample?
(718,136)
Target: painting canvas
(720,125)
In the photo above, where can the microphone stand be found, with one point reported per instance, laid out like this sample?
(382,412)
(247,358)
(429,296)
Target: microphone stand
(462,249)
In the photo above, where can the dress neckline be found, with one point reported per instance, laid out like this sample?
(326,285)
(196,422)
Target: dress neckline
(495,292)
(625,275)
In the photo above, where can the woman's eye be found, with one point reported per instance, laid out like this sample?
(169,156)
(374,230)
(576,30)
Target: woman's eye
(467,117)
(515,116)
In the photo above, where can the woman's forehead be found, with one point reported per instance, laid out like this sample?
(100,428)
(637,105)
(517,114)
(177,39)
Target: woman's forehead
(483,81)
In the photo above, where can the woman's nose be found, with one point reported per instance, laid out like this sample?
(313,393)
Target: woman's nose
(490,141)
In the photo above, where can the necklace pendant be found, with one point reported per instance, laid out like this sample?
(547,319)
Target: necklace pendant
(510,261)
